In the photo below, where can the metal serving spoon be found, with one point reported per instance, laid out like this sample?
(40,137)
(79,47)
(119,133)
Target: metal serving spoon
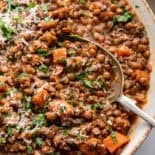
(118,84)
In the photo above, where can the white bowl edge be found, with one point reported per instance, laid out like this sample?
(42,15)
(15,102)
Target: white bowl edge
(140,130)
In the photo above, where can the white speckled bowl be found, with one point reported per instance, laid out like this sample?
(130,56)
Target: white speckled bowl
(141,129)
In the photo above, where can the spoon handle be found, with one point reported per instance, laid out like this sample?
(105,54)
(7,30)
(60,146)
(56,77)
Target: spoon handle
(130,104)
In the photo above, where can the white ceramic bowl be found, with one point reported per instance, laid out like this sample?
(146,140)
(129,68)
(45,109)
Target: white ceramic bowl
(140,130)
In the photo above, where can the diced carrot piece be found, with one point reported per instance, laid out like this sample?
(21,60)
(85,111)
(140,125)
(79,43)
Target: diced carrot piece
(59,55)
(123,51)
(112,146)
(40,98)
(141,74)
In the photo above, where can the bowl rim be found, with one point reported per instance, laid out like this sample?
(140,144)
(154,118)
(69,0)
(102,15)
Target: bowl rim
(131,149)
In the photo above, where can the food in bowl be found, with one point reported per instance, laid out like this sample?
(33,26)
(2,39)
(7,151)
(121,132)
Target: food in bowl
(53,92)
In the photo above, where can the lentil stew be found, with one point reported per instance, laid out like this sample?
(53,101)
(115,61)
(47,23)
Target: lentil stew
(53,92)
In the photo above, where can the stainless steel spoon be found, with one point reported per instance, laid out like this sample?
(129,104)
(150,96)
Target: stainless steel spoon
(118,84)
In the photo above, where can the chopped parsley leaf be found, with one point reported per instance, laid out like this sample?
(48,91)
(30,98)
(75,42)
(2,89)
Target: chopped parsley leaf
(1,83)
(8,32)
(31,5)
(62,109)
(11,4)
(47,19)
(81,76)
(9,131)
(38,141)
(83,2)
(125,17)
(29,149)
(65,132)
(2,140)
(23,75)
(18,19)
(113,136)
(55,153)
(27,103)
(12,91)
(39,120)
(60,44)
(44,7)
(74,35)
(97,106)
(88,83)
(43,68)
(43,52)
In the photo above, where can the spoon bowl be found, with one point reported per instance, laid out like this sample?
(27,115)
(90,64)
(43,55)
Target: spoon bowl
(118,82)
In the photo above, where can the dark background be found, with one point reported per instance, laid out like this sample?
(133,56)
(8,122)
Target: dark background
(152,4)
(148,147)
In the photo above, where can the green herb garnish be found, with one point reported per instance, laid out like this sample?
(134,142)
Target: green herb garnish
(43,68)
(18,19)
(38,141)
(88,83)
(27,103)
(44,7)
(125,17)
(31,5)
(55,153)
(9,131)
(113,136)
(72,52)
(60,44)
(62,109)
(65,132)
(72,101)
(81,76)
(8,32)
(83,2)
(45,107)
(2,140)
(47,19)
(1,83)
(43,52)
(39,121)
(11,4)
(74,35)
(97,106)
(103,84)
(23,75)
(12,91)
(29,149)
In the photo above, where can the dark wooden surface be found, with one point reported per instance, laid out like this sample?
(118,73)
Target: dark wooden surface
(152,4)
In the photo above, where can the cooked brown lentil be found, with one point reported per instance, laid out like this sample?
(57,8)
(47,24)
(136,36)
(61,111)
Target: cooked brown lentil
(52,93)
